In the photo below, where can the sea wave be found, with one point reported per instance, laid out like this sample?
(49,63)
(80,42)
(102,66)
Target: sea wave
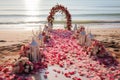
(100,8)
(43,15)
(61,22)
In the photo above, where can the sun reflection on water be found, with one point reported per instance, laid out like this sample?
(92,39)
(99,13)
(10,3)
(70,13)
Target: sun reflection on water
(32,8)
(32,5)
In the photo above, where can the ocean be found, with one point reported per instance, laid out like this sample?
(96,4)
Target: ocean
(22,14)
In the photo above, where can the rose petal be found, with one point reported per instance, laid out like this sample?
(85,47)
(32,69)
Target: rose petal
(45,76)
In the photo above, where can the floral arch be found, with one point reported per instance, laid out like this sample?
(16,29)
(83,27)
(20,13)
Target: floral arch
(56,9)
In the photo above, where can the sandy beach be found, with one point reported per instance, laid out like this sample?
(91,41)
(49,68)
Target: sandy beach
(11,41)
(110,39)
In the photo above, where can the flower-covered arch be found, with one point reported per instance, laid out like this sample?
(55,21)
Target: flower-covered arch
(57,8)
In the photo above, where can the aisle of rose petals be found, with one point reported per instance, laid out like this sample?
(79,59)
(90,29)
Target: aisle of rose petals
(68,54)
(67,58)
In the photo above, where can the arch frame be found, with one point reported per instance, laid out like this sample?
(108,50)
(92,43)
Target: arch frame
(64,10)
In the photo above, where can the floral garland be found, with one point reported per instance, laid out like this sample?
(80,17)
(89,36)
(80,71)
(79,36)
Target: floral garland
(57,8)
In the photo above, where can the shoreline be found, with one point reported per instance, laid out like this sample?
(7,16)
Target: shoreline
(30,27)
(63,21)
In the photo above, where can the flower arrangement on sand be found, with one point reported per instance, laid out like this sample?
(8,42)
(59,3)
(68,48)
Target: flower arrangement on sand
(22,65)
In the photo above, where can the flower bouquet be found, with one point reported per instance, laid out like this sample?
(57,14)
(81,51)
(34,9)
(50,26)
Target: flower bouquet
(97,49)
(22,65)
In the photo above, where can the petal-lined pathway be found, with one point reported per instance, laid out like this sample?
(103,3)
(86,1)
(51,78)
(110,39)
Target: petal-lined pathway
(67,60)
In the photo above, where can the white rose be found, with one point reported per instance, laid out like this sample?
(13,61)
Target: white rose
(27,66)
(31,67)
(26,70)
(99,48)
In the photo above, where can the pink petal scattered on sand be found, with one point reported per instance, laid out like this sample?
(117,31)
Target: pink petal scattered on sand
(5,70)
(112,69)
(58,71)
(20,78)
(54,70)
(61,64)
(45,76)
(81,74)
(72,73)
(62,72)
(56,76)
(28,78)
(75,78)
(67,75)
(1,78)
(46,72)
